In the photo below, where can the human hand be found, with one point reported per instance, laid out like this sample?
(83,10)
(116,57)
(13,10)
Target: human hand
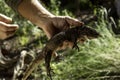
(56,24)
(51,24)
(38,15)
(6,28)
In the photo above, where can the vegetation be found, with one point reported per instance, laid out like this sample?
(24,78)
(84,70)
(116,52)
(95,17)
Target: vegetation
(98,59)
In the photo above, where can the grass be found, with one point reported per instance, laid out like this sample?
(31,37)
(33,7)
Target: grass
(98,59)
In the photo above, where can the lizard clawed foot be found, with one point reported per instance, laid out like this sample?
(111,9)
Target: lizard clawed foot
(76,46)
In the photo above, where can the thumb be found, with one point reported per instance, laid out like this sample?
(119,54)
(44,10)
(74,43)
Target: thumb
(73,22)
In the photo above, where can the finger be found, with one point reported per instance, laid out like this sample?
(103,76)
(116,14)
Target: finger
(5,35)
(10,33)
(73,22)
(5,18)
(8,27)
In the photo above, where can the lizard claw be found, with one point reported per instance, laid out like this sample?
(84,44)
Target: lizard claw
(76,46)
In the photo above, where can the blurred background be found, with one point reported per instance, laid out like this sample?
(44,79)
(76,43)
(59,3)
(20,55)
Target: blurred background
(98,59)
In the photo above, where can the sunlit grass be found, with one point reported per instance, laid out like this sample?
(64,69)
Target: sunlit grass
(97,59)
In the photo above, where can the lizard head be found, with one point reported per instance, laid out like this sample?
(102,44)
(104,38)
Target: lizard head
(85,32)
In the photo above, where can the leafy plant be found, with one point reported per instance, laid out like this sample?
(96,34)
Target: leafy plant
(97,59)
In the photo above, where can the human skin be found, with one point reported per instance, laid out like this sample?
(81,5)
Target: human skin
(51,24)
(6,28)
(38,15)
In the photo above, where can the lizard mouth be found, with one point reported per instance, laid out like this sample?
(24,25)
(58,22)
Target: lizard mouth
(82,40)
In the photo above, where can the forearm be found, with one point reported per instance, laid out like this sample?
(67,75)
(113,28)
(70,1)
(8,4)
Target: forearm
(37,14)
(30,9)
(34,11)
